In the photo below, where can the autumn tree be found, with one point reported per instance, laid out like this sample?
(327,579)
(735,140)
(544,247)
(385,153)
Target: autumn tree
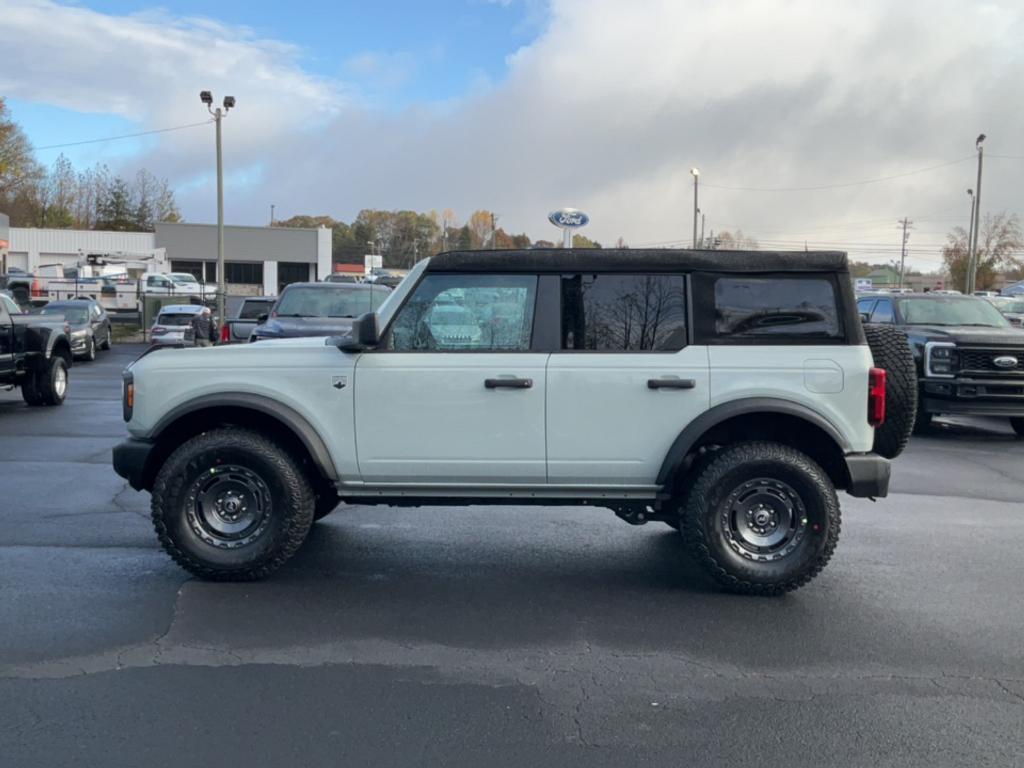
(1000,242)
(18,167)
(582,241)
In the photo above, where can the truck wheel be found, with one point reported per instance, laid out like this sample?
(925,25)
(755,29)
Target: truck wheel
(1018,425)
(48,386)
(761,518)
(230,505)
(891,351)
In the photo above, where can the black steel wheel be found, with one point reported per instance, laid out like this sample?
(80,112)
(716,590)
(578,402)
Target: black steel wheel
(761,518)
(231,505)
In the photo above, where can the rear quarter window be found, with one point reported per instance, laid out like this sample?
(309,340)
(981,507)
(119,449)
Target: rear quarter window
(784,309)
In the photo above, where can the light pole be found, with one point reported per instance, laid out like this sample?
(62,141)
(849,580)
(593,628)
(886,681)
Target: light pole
(972,261)
(696,177)
(970,234)
(229,101)
(702,229)
(272,206)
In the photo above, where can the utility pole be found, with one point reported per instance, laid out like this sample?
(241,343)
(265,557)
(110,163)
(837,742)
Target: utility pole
(696,176)
(271,214)
(972,261)
(494,233)
(218,114)
(967,245)
(906,224)
(702,217)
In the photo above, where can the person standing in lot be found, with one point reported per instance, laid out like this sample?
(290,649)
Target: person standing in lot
(202,324)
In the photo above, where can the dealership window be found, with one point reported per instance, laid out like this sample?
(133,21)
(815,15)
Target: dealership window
(775,308)
(203,271)
(289,272)
(623,313)
(247,272)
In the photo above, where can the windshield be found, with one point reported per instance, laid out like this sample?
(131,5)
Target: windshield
(332,301)
(73,315)
(951,310)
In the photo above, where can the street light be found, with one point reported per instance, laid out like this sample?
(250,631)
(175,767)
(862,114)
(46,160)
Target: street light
(696,177)
(970,234)
(229,102)
(972,255)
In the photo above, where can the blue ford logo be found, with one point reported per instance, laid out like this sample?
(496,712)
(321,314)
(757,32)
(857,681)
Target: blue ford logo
(568,218)
(1005,362)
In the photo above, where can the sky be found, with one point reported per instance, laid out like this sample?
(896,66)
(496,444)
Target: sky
(524,106)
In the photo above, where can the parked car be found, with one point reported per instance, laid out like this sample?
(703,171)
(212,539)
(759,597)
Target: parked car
(1014,289)
(181,284)
(610,381)
(1012,308)
(35,355)
(89,325)
(985,294)
(173,325)
(239,329)
(319,309)
(970,359)
(384,277)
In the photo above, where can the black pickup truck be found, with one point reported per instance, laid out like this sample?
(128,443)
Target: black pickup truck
(970,359)
(35,354)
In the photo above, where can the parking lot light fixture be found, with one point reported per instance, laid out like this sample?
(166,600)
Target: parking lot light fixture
(229,102)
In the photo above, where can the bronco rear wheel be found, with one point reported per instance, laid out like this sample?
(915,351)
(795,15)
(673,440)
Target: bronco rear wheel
(230,505)
(761,518)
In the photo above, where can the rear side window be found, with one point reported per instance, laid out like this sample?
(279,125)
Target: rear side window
(777,308)
(623,313)
(251,310)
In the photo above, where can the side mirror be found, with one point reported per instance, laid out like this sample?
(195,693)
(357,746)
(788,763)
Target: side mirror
(864,317)
(263,318)
(365,334)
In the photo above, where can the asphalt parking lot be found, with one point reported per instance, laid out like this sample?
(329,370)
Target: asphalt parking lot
(502,635)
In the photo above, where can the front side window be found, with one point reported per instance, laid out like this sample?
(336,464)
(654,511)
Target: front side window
(755,307)
(623,313)
(483,313)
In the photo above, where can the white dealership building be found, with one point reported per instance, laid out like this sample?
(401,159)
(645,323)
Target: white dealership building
(258,260)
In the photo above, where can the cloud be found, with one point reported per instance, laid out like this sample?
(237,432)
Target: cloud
(606,110)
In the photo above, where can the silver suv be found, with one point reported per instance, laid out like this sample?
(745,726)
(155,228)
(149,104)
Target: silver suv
(727,394)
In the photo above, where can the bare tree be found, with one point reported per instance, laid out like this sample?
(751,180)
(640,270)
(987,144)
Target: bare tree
(999,248)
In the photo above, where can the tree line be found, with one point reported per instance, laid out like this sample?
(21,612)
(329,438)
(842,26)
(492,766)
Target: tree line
(61,197)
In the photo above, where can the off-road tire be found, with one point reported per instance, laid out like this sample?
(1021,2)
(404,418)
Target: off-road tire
(1018,425)
(706,512)
(290,513)
(891,351)
(42,387)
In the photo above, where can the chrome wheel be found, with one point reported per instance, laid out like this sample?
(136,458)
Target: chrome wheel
(228,506)
(60,381)
(764,519)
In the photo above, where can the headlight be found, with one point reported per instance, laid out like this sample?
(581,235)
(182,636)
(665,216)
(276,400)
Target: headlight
(940,359)
(81,334)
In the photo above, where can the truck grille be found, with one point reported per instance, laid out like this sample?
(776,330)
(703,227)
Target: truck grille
(983,360)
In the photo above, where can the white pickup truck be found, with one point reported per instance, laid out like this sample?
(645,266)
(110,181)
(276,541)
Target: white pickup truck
(727,394)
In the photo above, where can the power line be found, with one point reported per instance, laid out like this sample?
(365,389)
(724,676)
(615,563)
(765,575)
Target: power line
(125,136)
(841,185)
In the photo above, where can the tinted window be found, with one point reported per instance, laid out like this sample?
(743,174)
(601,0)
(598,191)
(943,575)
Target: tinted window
(883,312)
(465,313)
(775,307)
(623,313)
(251,310)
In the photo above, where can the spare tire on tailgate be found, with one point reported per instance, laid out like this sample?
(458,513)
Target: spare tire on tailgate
(890,351)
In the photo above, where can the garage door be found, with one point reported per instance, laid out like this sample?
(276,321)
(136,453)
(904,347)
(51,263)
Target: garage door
(17,259)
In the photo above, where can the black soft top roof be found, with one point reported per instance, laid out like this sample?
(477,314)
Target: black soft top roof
(637,260)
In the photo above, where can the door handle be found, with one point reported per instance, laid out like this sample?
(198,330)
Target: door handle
(508,383)
(671,383)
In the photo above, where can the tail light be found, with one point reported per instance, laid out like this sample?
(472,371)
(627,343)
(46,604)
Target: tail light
(876,397)
(225,334)
(159,329)
(37,289)
(127,395)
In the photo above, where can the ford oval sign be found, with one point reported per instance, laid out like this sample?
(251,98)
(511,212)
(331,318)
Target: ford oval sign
(568,218)
(1006,361)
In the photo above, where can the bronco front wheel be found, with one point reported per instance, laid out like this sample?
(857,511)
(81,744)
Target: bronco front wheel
(229,505)
(761,518)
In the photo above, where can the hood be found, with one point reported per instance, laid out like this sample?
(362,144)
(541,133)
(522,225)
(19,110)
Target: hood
(969,334)
(285,327)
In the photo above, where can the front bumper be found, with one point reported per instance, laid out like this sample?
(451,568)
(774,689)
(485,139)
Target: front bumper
(869,475)
(131,458)
(978,396)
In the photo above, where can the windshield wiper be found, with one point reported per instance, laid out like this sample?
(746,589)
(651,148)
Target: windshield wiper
(289,314)
(350,317)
